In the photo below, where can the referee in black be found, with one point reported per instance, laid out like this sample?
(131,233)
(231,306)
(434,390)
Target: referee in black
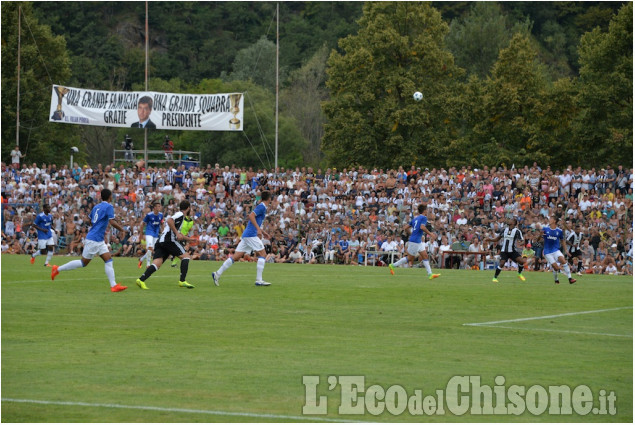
(510,235)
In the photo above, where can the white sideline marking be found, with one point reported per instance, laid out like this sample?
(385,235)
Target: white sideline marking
(179,410)
(553,330)
(546,317)
(494,324)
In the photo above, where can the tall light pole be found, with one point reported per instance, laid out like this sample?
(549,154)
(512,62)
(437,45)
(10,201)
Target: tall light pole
(145,129)
(17,113)
(277,82)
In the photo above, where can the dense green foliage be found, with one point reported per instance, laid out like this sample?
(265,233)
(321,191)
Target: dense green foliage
(580,95)
(515,112)
(372,118)
(605,95)
(44,60)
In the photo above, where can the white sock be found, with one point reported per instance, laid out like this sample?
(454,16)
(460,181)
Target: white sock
(399,263)
(110,272)
(426,263)
(36,253)
(260,266)
(555,274)
(149,257)
(567,270)
(143,257)
(48,257)
(75,264)
(227,264)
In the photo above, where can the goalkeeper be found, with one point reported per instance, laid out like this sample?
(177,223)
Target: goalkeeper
(188,223)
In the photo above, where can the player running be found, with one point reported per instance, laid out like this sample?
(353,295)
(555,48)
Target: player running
(575,253)
(188,223)
(554,238)
(169,243)
(510,235)
(101,216)
(153,221)
(250,241)
(45,240)
(415,246)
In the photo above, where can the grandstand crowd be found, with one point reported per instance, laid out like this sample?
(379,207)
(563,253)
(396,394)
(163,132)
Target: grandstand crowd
(333,216)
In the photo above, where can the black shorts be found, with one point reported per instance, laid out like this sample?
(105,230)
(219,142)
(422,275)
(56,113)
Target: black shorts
(575,253)
(510,256)
(165,249)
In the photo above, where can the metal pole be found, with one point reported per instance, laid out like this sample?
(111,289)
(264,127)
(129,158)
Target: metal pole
(277,82)
(145,130)
(17,114)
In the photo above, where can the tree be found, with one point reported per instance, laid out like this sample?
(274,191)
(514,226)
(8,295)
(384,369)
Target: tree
(476,39)
(44,62)
(372,118)
(254,146)
(301,99)
(604,124)
(256,63)
(501,113)
(551,140)
(555,53)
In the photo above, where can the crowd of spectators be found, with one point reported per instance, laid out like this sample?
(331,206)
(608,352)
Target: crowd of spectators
(333,216)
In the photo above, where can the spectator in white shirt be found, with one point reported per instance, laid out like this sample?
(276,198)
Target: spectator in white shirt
(473,259)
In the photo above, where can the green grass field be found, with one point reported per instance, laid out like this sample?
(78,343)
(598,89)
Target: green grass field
(72,351)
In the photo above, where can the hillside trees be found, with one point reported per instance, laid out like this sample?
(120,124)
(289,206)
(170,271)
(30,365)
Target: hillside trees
(532,89)
(476,39)
(301,99)
(604,124)
(372,118)
(253,147)
(44,61)
(498,114)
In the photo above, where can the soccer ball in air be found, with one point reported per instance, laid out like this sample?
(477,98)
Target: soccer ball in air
(417,96)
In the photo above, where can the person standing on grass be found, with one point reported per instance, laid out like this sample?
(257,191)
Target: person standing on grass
(45,241)
(554,239)
(416,247)
(170,244)
(510,236)
(101,216)
(250,241)
(575,253)
(153,221)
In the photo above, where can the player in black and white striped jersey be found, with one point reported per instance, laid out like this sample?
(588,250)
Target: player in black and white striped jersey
(574,240)
(509,237)
(169,243)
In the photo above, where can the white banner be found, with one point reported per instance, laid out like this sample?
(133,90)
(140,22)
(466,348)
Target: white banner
(164,111)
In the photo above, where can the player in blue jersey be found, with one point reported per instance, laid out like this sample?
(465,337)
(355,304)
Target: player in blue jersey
(152,221)
(101,216)
(343,251)
(250,241)
(416,247)
(45,241)
(554,239)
